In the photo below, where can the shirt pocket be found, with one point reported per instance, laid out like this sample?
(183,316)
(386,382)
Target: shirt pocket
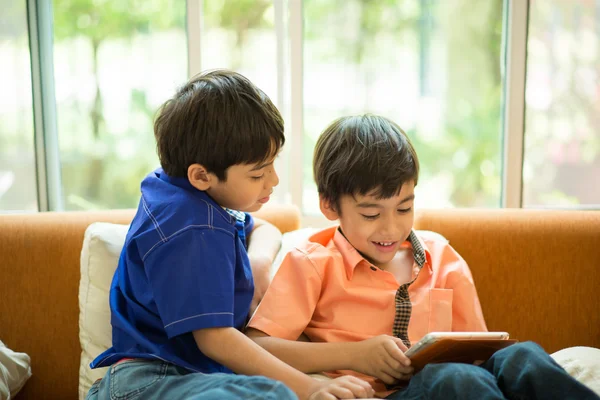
(440,310)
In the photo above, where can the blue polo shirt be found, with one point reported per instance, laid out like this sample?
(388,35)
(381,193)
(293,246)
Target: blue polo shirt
(184,267)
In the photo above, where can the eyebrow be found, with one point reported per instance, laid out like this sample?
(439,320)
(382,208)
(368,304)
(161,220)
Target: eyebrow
(256,168)
(375,205)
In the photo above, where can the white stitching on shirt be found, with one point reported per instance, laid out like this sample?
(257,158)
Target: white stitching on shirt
(160,232)
(106,358)
(196,316)
(180,231)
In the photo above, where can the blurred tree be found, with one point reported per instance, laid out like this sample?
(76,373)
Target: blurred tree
(240,17)
(363,22)
(17,157)
(473,102)
(466,37)
(99,21)
(562,140)
(355,33)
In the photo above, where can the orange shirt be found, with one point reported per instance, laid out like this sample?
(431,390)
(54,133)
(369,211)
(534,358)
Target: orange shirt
(327,290)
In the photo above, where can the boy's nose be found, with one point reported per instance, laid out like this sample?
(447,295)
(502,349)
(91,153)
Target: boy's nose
(273,178)
(388,229)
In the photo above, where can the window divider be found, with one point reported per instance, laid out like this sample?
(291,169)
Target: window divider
(515,63)
(47,155)
(282,101)
(296,32)
(194,32)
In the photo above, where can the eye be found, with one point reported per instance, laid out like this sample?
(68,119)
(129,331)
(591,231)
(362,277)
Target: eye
(404,210)
(370,217)
(257,178)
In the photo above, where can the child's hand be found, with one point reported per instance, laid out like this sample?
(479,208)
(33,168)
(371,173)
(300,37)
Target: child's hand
(383,357)
(344,387)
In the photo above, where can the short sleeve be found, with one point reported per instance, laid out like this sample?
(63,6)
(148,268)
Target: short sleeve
(248,224)
(192,280)
(290,301)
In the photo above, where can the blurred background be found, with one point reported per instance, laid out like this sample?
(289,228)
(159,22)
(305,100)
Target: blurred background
(436,67)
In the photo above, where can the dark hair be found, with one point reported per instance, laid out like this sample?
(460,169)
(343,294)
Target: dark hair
(362,154)
(218,119)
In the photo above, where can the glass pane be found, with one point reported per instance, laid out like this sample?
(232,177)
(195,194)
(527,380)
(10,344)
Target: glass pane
(240,35)
(115,63)
(432,66)
(562,135)
(18,188)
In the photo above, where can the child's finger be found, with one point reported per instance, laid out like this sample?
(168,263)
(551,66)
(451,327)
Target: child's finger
(396,353)
(321,395)
(400,344)
(343,392)
(359,387)
(393,372)
(397,369)
(406,377)
(406,370)
(387,378)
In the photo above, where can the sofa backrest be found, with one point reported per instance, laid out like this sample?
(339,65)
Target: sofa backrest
(39,286)
(537,272)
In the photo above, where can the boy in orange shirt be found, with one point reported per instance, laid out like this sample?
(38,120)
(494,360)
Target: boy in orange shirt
(364,291)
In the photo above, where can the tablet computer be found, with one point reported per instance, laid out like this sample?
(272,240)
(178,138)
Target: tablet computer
(465,347)
(433,337)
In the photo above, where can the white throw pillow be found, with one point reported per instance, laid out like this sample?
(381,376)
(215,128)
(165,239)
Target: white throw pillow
(290,240)
(582,363)
(15,369)
(102,246)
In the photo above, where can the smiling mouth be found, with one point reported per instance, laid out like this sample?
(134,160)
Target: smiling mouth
(385,244)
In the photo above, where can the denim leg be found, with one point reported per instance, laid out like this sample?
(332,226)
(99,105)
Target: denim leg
(154,380)
(229,386)
(450,381)
(93,392)
(526,371)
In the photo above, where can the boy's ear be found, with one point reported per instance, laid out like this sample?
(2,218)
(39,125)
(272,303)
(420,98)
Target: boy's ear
(328,209)
(200,178)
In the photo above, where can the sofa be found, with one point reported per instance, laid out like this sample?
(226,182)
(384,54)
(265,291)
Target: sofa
(537,274)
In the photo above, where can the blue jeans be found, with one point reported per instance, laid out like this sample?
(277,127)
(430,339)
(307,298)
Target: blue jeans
(521,371)
(146,379)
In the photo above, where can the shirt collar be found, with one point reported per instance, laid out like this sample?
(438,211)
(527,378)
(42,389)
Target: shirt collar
(179,181)
(352,257)
(238,215)
(184,183)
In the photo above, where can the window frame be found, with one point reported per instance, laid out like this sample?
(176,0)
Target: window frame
(47,153)
(515,28)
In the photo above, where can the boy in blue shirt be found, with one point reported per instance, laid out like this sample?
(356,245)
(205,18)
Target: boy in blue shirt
(184,284)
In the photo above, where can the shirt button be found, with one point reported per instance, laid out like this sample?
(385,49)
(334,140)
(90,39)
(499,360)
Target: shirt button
(373,268)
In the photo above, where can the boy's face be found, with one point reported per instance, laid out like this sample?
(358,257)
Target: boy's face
(375,227)
(247,188)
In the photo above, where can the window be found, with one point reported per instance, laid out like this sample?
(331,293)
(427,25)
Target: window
(562,134)
(18,186)
(114,65)
(431,66)
(241,35)
(500,97)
